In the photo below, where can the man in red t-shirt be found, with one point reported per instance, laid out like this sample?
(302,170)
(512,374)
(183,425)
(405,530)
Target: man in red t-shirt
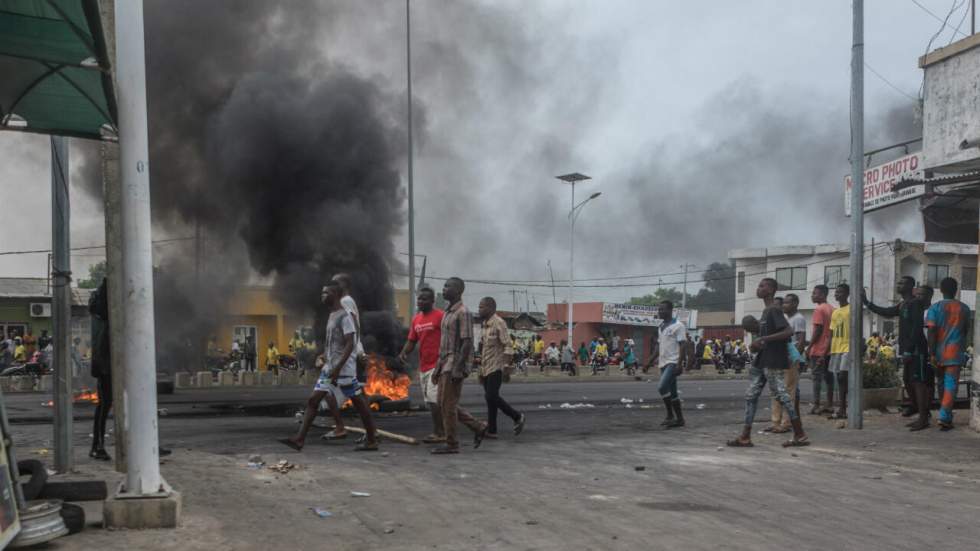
(426,331)
(819,350)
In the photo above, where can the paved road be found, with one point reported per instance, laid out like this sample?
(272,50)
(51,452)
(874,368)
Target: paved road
(29,407)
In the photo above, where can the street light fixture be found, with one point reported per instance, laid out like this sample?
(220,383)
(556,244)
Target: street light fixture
(572,179)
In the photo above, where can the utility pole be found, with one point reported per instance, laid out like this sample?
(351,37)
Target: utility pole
(411,168)
(684,292)
(554,296)
(61,305)
(139,345)
(855,402)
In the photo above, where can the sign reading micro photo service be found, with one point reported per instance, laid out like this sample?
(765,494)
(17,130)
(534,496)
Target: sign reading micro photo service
(879,180)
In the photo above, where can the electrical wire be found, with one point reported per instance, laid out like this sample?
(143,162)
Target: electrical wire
(889,83)
(44,251)
(937,18)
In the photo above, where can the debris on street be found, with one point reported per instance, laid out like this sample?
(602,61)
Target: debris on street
(359,494)
(579,405)
(322,513)
(282,467)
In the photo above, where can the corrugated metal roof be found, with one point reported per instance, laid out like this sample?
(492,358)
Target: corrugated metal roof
(37,288)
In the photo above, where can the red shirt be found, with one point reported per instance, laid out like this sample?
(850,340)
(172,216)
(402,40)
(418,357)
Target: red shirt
(821,316)
(426,331)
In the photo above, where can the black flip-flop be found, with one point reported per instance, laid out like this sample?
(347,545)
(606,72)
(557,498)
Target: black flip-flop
(443,451)
(366,447)
(795,443)
(478,437)
(291,444)
(736,443)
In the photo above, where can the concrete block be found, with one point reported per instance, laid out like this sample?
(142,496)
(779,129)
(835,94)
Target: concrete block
(290,378)
(143,512)
(47,383)
(6,383)
(226,378)
(183,380)
(246,378)
(267,378)
(202,379)
(309,377)
(24,383)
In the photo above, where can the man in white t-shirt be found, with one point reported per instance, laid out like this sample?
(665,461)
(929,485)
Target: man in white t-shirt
(672,353)
(339,372)
(348,303)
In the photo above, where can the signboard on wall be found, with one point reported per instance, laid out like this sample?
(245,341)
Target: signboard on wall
(636,314)
(879,181)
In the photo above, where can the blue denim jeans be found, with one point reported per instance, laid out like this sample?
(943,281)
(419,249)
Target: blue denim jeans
(668,381)
(777,388)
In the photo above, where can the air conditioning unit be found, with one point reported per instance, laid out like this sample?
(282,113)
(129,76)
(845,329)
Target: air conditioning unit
(40,310)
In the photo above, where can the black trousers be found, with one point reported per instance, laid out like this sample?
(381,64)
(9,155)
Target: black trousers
(104,390)
(491,391)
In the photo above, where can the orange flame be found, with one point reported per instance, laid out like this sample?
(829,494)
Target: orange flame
(84,395)
(382,381)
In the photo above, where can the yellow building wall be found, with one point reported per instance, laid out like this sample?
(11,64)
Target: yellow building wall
(402,305)
(254,306)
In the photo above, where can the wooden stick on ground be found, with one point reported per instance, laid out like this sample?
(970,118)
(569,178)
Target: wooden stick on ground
(392,435)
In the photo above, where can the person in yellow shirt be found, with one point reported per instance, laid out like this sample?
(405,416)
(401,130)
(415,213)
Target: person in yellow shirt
(602,349)
(886,352)
(538,348)
(272,358)
(840,346)
(296,343)
(20,351)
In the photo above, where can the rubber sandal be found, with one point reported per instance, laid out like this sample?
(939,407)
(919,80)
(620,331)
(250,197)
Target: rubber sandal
(291,444)
(366,447)
(434,439)
(769,429)
(332,435)
(478,437)
(444,451)
(919,426)
(797,443)
(737,443)
(945,426)
(780,430)
(519,426)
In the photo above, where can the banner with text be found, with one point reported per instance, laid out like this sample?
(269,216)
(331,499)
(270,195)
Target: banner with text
(635,314)
(879,180)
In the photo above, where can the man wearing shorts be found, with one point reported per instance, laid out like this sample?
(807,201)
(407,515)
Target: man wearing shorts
(948,323)
(426,332)
(840,346)
(912,347)
(338,375)
(819,350)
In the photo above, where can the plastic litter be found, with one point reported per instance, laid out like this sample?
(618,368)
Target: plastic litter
(701,406)
(625,401)
(579,405)
(322,513)
(359,494)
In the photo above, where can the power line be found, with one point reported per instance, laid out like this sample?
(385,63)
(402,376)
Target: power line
(889,83)
(937,18)
(44,251)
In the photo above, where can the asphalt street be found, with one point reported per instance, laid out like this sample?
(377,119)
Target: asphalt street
(600,477)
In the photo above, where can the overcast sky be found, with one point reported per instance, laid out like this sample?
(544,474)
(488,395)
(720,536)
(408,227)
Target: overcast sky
(706,127)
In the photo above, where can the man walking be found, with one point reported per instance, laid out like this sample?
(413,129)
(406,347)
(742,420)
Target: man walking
(948,323)
(770,365)
(819,351)
(840,347)
(567,358)
(780,419)
(348,303)
(912,347)
(672,352)
(455,362)
(338,371)
(426,331)
(496,354)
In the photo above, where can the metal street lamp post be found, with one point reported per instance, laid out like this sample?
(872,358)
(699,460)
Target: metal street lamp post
(572,179)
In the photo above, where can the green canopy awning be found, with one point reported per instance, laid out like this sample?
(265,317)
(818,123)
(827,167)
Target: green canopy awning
(54,69)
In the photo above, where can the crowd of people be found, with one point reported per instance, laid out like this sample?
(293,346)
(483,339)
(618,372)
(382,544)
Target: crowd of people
(931,350)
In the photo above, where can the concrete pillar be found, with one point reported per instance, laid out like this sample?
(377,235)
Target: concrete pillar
(47,383)
(246,378)
(266,378)
(289,378)
(975,398)
(226,378)
(24,383)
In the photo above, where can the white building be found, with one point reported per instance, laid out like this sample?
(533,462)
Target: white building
(798,269)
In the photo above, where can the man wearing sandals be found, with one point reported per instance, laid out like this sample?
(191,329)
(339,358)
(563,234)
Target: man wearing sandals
(339,371)
(770,365)
(840,347)
(455,362)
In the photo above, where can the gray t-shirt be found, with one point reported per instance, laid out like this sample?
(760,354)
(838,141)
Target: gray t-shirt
(338,325)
